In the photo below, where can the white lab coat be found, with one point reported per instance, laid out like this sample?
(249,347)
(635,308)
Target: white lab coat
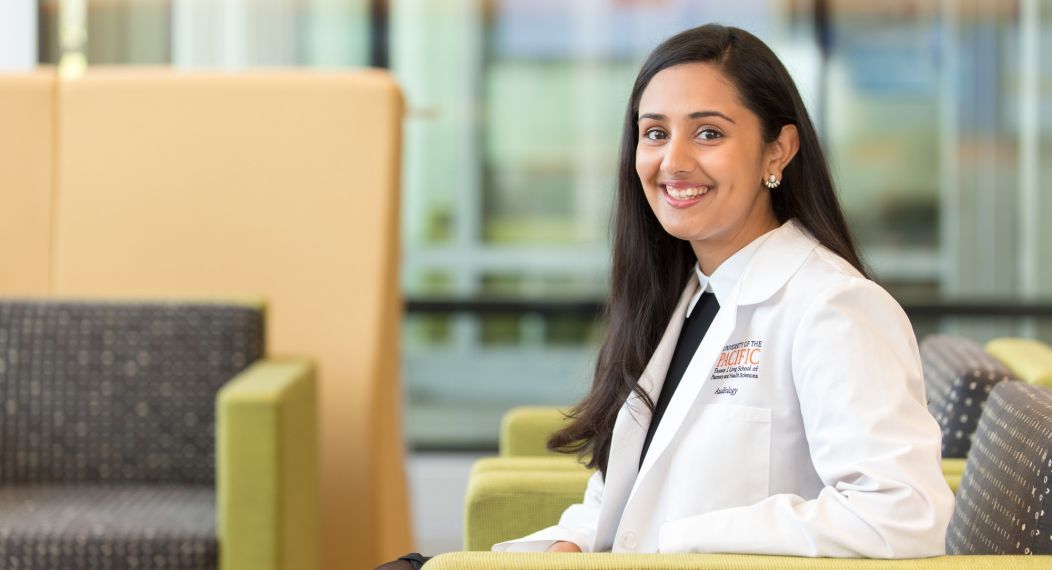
(799,427)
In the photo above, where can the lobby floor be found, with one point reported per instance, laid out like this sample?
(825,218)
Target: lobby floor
(437,485)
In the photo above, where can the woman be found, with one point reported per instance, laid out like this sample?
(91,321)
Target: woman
(755,393)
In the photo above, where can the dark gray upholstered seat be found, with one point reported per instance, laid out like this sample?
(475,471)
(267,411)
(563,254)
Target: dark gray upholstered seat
(107,526)
(1004,503)
(107,430)
(958,377)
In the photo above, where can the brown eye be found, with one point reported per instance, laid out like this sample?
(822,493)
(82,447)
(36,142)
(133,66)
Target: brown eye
(709,134)
(654,135)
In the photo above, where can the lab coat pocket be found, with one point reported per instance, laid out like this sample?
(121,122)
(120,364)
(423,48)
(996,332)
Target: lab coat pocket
(721,460)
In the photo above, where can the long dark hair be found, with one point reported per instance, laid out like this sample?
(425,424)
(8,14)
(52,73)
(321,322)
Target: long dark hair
(650,267)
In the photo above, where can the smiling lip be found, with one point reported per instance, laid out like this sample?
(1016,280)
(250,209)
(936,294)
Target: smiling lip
(687,194)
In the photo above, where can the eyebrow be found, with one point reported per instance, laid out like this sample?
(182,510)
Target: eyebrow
(694,115)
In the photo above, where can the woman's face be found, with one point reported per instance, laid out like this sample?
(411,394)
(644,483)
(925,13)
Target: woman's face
(701,159)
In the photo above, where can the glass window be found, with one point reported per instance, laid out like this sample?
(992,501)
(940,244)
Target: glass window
(214,33)
(936,117)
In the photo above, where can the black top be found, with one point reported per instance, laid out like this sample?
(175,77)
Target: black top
(694,329)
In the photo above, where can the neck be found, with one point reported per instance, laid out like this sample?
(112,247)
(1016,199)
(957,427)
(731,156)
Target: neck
(712,253)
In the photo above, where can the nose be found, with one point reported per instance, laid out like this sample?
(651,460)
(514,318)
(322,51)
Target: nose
(677,159)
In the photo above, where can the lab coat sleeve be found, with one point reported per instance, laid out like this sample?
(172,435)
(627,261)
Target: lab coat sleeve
(872,441)
(577,524)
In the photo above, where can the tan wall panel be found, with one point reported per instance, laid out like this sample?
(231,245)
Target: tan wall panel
(27,127)
(279,184)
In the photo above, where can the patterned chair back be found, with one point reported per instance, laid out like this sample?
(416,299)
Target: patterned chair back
(1004,503)
(116,393)
(958,377)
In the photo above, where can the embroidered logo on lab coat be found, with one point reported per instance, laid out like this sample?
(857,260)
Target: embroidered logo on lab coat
(737,361)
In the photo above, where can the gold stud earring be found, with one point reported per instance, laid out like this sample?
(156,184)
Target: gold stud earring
(772,182)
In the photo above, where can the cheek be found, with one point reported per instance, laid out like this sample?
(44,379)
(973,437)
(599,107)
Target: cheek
(646,166)
(750,165)
(726,163)
(732,168)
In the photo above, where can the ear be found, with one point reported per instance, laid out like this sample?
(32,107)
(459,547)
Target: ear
(781,151)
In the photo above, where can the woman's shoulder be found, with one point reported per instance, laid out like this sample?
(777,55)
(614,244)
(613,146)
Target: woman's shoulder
(824,264)
(825,280)
(794,270)
(824,273)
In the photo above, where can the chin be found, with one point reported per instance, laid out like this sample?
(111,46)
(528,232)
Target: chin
(684,232)
(679,224)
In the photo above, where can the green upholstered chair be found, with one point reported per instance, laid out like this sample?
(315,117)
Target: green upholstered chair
(137,435)
(1001,519)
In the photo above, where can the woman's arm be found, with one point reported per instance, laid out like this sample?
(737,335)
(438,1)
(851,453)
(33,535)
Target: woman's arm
(872,441)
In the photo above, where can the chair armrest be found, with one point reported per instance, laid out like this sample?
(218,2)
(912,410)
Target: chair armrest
(524,430)
(267,468)
(506,504)
(607,561)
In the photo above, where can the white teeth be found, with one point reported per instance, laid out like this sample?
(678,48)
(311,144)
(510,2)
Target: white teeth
(686,193)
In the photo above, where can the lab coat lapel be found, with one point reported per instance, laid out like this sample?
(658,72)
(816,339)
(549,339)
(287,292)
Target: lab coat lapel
(631,425)
(690,389)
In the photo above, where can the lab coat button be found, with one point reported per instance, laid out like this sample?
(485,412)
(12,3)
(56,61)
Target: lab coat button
(629,540)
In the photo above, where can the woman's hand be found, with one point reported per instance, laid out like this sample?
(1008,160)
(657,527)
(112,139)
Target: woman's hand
(563,546)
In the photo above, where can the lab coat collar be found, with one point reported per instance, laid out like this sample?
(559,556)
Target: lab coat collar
(703,287)
(768,266)
(703,280)
(777,262)
(724,281)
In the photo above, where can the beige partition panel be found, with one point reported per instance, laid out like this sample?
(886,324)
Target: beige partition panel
(280,184)
(27,127)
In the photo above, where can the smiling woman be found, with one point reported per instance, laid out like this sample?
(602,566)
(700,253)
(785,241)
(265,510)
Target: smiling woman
(729,241)
(756,392)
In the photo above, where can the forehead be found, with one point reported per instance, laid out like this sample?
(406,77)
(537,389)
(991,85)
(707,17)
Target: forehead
(689,87)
